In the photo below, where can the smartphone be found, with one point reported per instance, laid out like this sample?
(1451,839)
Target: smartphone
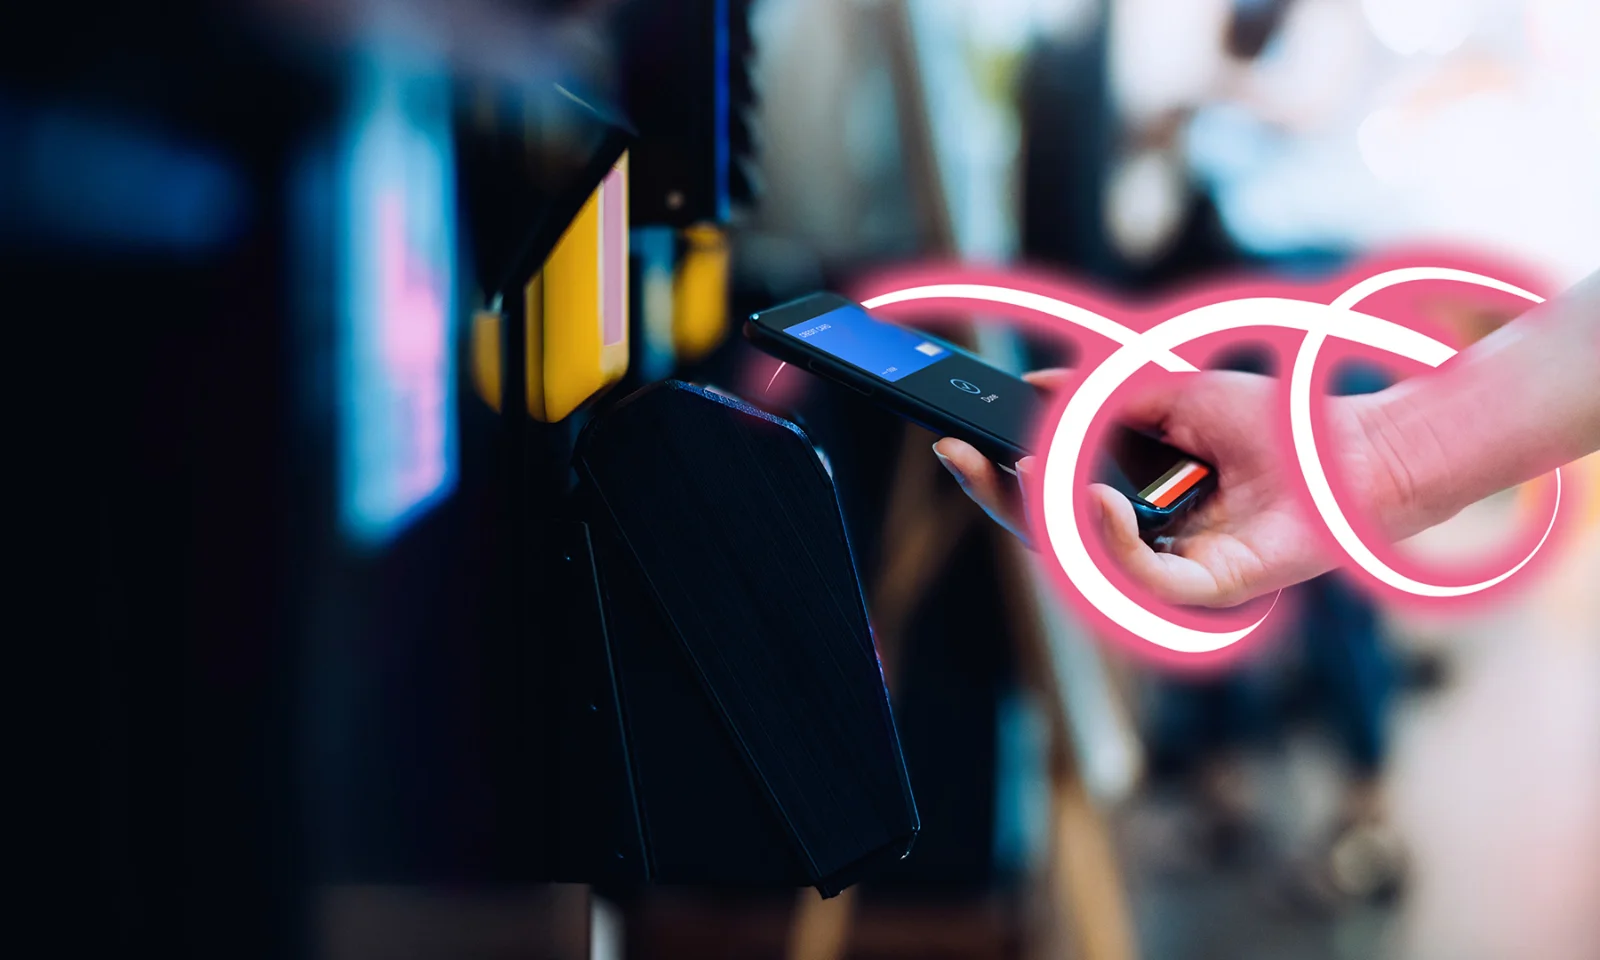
(952,392)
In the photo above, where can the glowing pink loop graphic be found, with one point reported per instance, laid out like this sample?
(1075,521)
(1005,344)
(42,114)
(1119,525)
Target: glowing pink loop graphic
(1317,320)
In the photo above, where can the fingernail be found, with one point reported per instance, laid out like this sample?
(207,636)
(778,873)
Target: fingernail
(951,466)
(1024,484)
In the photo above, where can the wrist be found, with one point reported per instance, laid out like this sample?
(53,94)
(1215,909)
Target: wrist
(1407,483)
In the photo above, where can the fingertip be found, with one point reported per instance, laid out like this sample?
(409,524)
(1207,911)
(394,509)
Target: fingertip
(1025,486)
(1049,378)
(1170,578)
(1119,528)
(947,453)
(962,459)
(1115,513)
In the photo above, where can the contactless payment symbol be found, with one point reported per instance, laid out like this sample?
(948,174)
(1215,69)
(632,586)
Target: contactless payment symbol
(964,386)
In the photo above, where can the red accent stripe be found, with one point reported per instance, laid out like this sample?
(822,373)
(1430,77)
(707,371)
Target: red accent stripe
(1178,489)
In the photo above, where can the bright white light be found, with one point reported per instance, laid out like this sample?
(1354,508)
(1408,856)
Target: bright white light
(1381,140)
(1310,73)
(1144,204)
(1493,145)
(1163,54)
(1411,27)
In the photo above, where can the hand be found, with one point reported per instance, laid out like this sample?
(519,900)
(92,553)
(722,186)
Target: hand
(1000,496)
(1251,536)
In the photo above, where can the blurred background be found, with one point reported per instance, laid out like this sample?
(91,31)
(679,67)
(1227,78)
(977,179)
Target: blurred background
(294,250)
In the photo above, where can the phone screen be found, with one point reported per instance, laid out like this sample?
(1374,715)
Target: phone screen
(936,375)
(996,402)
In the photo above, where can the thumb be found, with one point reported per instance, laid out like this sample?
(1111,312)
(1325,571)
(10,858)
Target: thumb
(1050,378)
(1118,524)
(1169,577)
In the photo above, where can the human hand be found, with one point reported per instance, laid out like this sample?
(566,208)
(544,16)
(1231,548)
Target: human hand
(1252,535)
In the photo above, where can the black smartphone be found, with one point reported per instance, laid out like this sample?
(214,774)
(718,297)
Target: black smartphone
(951,392)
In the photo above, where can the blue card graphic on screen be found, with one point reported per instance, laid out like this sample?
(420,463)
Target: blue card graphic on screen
(881,349)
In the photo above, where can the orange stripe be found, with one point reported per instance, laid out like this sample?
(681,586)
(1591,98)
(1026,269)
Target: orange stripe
(1192,476)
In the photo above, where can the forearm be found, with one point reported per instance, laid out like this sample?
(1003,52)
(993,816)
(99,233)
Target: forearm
(1513,406)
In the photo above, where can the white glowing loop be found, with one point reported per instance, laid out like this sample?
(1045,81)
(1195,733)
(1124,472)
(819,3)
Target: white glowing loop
(1317,320)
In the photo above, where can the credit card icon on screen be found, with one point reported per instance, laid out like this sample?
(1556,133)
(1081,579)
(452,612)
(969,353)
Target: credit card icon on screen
(930,349)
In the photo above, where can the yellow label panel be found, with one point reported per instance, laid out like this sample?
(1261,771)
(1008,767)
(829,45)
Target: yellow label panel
(486,357)
(700,296)
(577,308)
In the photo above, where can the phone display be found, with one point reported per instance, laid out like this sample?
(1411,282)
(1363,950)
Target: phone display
(952,392)
(1004,408)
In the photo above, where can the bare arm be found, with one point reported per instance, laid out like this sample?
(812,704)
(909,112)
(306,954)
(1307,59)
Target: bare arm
(1515,405)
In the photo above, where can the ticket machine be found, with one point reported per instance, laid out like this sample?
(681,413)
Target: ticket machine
(404,613)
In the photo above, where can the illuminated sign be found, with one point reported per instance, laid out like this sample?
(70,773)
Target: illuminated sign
(396,375)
